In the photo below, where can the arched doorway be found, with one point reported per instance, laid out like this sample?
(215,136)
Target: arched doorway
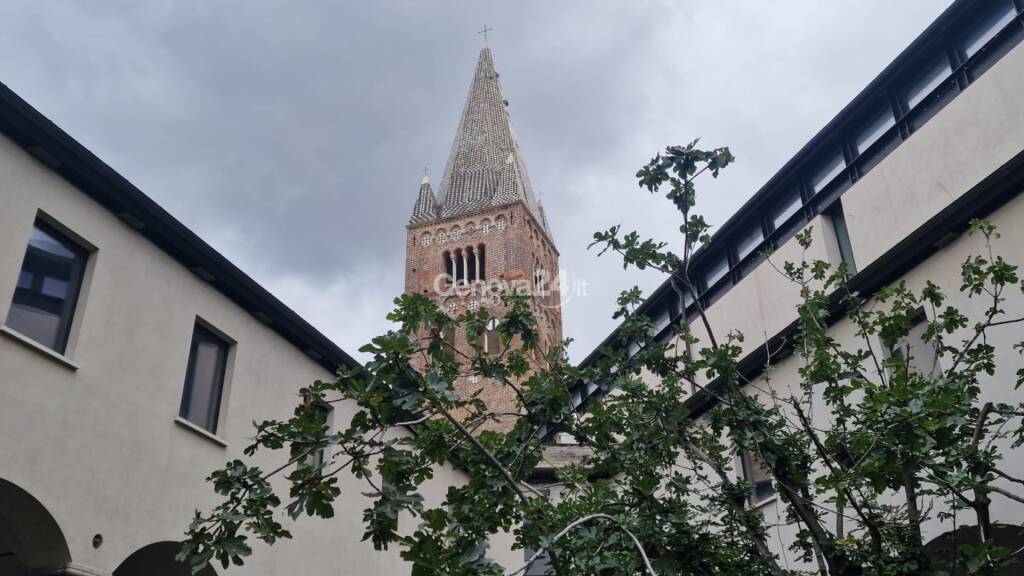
(30,540)
(157,559)
(943,549)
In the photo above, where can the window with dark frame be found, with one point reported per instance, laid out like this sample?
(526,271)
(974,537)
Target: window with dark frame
(930,91)
(757,474)
(490,339)
(978,39)
(749,241)
(933,74)
(996,15)
(921,357)
(204,379)
(878,124)
(837,217)
(449,267)
(322,410)
(827,170)
(786,208)
(716,268)
(46,295)
(482,272)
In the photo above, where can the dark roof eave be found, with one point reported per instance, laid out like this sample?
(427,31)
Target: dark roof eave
(43,139)
(763,195)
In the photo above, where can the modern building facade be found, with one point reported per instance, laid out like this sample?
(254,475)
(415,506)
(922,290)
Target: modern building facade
(889,186)
(484,233)
(133,360)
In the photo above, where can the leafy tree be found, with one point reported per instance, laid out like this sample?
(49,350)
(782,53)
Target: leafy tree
(655,491)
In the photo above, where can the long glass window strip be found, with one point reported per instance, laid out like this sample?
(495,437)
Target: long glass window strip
(881,121)
(971,39)
(716,271)
(662,319)
(1001,13)
(935,74)
(785,210)
(749,242)
(828,170)
(47,289)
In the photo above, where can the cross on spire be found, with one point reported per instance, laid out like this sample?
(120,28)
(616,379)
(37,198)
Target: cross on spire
(425,170)
(485,31)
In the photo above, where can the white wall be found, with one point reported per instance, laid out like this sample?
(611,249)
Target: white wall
(99,445)
(968,140)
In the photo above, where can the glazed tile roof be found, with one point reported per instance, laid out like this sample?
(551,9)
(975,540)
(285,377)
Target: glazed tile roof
(485,167)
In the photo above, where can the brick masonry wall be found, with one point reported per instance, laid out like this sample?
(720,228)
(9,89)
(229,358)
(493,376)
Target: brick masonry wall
(511,256)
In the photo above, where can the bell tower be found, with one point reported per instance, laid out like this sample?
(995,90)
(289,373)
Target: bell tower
(484,231)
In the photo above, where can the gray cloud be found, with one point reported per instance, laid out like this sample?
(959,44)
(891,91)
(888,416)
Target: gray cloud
(291,136)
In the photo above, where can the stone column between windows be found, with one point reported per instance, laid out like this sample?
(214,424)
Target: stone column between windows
(465,267)
(455,269)
(476,267)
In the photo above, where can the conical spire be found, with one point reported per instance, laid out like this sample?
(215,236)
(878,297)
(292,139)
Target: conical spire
(425,209)
(485,167)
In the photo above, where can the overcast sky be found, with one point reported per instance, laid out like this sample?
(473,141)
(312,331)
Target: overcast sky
(291,136)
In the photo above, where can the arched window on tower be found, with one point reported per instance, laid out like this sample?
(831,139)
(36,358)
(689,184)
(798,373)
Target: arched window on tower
(449,266)
(460,266)
(490,341)
(482,271)
(471,264)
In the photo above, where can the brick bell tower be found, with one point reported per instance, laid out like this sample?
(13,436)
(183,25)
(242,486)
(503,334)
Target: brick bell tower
(484,232)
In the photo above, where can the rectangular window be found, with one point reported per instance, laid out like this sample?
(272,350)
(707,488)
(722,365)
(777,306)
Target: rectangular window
(837,217)
(786,209)
(323,412)
(661,319)
(716,269)
(997,15)
(880,121)
(687,299)
(204,379)
(921,357)
(935,73)
(757,474)
(826,171)
(749,241)
(48,285)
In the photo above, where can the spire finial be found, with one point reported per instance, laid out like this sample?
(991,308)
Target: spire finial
(485,31)
(426,179)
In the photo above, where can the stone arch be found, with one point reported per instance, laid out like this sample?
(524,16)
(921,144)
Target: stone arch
(157,559)
(943,548)
(30,539)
